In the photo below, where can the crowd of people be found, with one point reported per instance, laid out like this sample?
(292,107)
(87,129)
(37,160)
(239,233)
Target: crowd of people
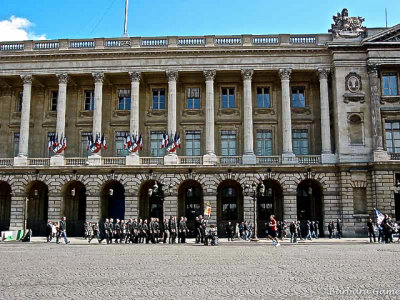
(385,230)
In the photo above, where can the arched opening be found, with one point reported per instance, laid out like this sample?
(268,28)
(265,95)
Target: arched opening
(309,203)
(113,200)
(151,206)
(190,202)
(356,130)
(38,201)
(229,204)
(5,205)
(269,203)
(74,207)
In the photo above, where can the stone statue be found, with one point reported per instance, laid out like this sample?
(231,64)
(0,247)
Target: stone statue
(347,27)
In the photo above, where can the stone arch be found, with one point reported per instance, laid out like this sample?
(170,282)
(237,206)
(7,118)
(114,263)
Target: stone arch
(5,205)
(37,193)
(151,205)
(355,128)
(112,200)
(190,201)
(73,206)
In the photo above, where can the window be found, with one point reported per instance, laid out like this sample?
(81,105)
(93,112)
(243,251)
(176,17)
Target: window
(193,143)
(158,98)
(263,97)
(16,144)
(193,98)
(392,129)
(300,141)
(89,100)
(228,143)
(264,142)
(124,99)
(119,143)
(50,153)
(53,100)
(228,98)
(84,144)
(355,130)
(19,102)
(155,144)
(389,84)
(360,200)
(229,204)
(298,96)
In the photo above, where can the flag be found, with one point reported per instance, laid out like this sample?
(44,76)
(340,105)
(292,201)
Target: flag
(50,143)
(57,149)
(178,141)
(140,142)
(125,142)
(379,217)
(163,141)
(89,142)
(207,211)
(103,142)
(171,146)
(64,143)
(55,141)
(128,140)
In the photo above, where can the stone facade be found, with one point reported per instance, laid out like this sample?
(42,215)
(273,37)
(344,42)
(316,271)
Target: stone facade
(344,114)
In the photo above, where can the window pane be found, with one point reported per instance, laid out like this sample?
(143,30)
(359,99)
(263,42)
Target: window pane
(231,101)
(259,100)
(224,101)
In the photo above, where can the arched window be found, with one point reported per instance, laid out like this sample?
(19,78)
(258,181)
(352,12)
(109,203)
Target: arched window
(229,204)
(355,130)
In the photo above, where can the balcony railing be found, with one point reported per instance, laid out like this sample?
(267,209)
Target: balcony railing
(113,161)
(229,160)
(12,47)
(265,40)
(228,41)
(303,40)
(39,162)
(81,44)
(151,161)
(76,161)
(117,43)
(394,156)
(190,160)
(154,42)
(191,41)
(309,159)
(46,45)
(6,161)
(268,160)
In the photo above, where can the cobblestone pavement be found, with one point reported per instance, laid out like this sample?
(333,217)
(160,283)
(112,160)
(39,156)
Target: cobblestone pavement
(238,270)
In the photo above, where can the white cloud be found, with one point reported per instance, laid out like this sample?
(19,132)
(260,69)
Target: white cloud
(17,29)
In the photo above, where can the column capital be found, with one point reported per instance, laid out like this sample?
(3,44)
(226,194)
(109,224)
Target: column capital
(210,74)
(285,74)
(98,77)
(135,76)
(247,74)
(172,75)
(27,79)
(373,69)
(62,78)
(323,73)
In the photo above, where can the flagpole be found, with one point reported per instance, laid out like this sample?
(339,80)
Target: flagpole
(125,34)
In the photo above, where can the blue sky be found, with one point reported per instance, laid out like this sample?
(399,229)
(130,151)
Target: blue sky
(54,19)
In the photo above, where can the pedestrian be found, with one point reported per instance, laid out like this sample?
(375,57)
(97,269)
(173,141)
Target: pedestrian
(94,233)
(237,232)
(338,229)
(49,231)
(272,231)
(197,225)
(308,235)
(371,230)
(166,231)
(62,230)
(330,229)
(229,231)
(293,232)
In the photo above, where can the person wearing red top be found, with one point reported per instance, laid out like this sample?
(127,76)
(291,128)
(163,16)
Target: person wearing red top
(272,231)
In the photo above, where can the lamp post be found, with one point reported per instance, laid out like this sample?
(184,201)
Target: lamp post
(257,190)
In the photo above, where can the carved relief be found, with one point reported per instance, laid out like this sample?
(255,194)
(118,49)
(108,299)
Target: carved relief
(27,79)
(353,85)
(345,26)
(62,78)
(172,75)
(98,77)
(285,74)
(210,74)
(247,74)
(135,76)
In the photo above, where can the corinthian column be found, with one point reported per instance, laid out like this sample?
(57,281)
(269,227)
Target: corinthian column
(376,121)
(248,156)
(133,158)
(98,101)
(172,158)
(61,104)
(25,120)
(288,156)
(326,155)
(210,158)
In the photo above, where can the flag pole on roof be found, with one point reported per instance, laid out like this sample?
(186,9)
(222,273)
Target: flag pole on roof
(125,34)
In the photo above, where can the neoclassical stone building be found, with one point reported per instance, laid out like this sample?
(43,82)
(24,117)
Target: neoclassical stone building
(313,117)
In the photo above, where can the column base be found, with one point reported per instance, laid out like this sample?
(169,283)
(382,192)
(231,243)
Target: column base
(94,160)
(210,159)
(328,158)
(289,159)
(21,160)
(171,159)
(132,160)
(249,159)
(381,155)
(57,161)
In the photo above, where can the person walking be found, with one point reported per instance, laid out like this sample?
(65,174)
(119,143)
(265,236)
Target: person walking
(338,229)
(49,231)
(308,236)
(371,230)
(293,232)
(330,229)
(229,231)
(62,230)
(272,229)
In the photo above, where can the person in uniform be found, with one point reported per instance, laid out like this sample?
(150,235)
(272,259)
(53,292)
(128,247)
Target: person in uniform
(111,231)
(203,229)
(134,228)
(140,231)
(94,233)
(117,230)
(172,230)
(157,229)
(146,231)
(197,225)
(229,231)
(166,231)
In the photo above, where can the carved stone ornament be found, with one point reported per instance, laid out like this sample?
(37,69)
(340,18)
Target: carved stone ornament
(247,74)
(353,87)
(172,75)
(345,26)
(98,77)
(192,112)
(210,74)
(323,73)
(264,111)
(390,99)
(62,78)
(285,74)
(135,76)
(27,79)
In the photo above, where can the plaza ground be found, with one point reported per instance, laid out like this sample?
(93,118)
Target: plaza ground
(322,269)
